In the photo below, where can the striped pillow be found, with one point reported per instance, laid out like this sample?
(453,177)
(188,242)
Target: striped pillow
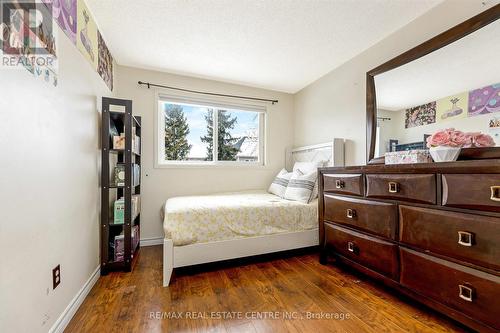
(307,167)
(300,187)
(280,183)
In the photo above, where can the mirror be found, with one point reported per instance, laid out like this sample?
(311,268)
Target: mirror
(455,85)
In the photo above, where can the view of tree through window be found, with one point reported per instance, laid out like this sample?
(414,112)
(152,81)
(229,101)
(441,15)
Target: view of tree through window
(189,133)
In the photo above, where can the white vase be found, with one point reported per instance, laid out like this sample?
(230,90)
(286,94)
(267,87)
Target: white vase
(444,154)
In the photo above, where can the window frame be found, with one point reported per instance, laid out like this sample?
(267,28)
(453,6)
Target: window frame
(219,103)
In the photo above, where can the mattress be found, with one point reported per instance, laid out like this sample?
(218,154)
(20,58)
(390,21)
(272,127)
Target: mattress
(199,219)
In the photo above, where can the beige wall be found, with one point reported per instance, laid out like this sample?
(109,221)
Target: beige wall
(50,197)
(334,105)
(161,184)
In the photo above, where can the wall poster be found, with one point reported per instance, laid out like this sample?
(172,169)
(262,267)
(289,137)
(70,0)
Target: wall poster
(484,100)
(105,62)
(420,115)
(452,107)
(86,37)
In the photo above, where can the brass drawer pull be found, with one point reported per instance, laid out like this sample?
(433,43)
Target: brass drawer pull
(351,213)
(465,293)
(495,193)
(393,187)
(339,183)
(351,247)
(465,238)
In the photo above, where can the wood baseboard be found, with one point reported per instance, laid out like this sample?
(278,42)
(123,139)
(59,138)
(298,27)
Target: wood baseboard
(151,241)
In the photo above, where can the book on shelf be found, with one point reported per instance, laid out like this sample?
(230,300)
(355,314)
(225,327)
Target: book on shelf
(119,209)
(119,175)
(136,145)
(119,244)
(119,143)
(136,174)
(136,142)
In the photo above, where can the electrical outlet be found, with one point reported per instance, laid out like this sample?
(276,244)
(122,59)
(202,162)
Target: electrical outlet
(56,276)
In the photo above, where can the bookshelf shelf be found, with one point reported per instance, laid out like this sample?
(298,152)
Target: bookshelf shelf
(121,187)
(120,243)
(121,151)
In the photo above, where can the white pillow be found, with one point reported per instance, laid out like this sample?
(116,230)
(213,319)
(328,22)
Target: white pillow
(308,167)
(300,187)
(280,183)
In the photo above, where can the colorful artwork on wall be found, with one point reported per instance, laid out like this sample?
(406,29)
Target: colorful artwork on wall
(75,20)
(420,115)
(105,62)
(43,36)
(485,100)
(64,13)
(36,50)
(452,107)
(86,37)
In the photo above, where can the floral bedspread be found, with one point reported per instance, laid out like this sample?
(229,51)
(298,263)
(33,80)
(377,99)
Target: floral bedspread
(198,219)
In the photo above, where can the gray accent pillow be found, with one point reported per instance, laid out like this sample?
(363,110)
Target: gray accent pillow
(301,187)
(280,183)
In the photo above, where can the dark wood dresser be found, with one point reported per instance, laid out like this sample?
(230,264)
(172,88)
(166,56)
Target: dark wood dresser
(432,231)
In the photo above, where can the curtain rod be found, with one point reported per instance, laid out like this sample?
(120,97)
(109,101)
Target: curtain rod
(273,101)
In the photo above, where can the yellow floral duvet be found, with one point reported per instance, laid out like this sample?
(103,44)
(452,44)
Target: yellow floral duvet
(199,219)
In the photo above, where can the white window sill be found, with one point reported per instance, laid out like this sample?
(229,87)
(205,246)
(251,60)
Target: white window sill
(219,165)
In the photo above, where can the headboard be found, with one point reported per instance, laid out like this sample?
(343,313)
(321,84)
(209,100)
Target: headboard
(332,151)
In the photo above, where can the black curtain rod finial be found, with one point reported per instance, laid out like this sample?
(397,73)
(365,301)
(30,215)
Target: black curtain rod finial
(146,83)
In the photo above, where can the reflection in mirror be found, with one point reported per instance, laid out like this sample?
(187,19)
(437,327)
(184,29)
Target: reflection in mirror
(457,86)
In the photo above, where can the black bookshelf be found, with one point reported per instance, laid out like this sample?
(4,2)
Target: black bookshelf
(118,112)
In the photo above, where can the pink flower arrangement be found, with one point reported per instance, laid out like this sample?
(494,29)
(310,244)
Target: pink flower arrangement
(454,138)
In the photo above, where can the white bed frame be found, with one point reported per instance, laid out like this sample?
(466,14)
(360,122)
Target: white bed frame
(200,253)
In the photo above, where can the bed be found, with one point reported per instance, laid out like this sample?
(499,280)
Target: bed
(202,229)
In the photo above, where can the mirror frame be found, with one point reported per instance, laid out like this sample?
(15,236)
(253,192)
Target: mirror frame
(449,36)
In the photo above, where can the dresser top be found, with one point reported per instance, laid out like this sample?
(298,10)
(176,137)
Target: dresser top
(473,166)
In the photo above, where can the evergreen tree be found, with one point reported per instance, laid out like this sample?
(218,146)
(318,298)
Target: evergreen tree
(225,149)
(176,132)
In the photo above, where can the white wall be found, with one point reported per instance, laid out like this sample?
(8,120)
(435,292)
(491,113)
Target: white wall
(160,184)
(49,194)
(334,105)
(389,129)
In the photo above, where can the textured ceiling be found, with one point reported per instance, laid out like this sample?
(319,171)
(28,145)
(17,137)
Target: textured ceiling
(275,44)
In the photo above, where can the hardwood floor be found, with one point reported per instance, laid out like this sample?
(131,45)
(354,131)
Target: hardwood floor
(257,295)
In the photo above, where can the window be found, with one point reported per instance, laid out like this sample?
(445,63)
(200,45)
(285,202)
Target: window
(186,133)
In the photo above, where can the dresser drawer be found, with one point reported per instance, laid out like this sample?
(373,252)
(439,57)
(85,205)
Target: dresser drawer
(467,290)
(376,217)
(480,191)
(376,254)
(343,183)
(466,237)
(415,188)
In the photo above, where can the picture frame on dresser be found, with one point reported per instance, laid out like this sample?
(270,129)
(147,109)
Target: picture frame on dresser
(436,43)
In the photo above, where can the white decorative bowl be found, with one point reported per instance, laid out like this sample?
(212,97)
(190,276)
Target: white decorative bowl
(444,154)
